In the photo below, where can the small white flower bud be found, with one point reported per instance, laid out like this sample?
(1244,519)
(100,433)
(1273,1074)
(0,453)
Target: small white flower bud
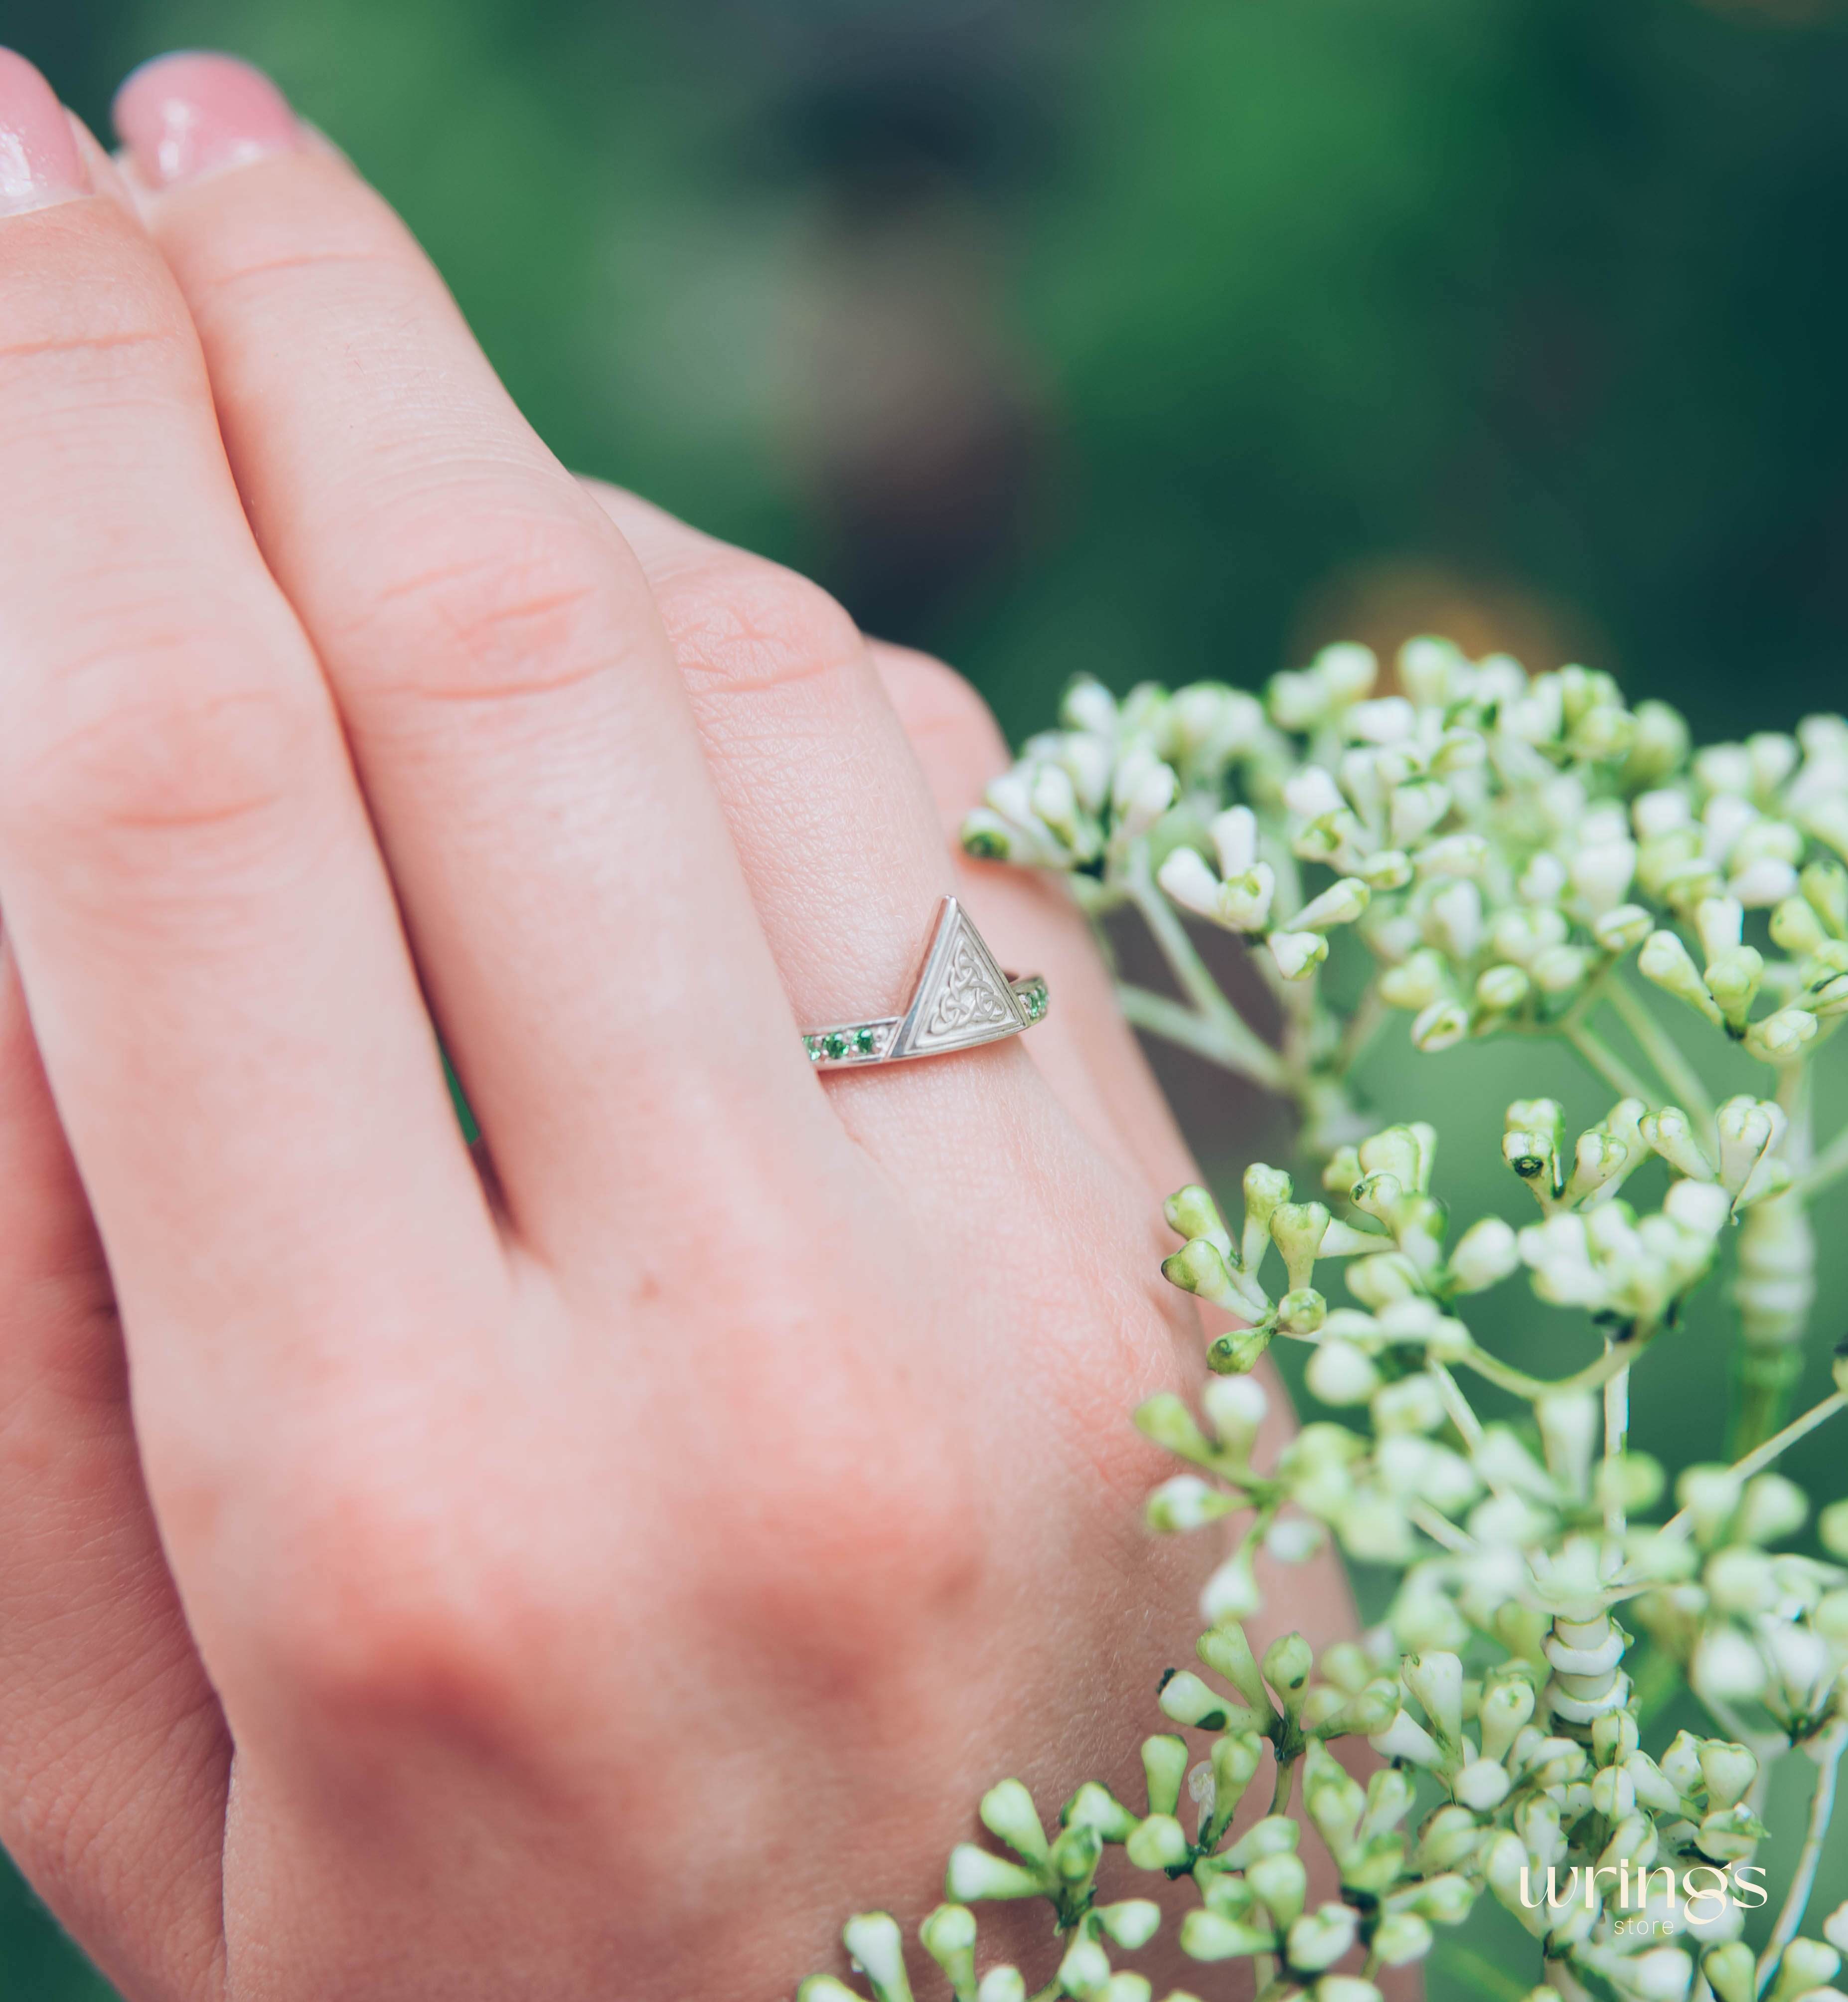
(1084,1970)
(1294,1540)
(1282,1883)
(1439,1027)
(1720,922)
(1144,790)
(948,1936)
(877,1948)
(1312,792)
(1561,968)
(1500,989)
(1725,1665)
(1459,855)
(1232,1592)
(1733,979)
(1796,927)
(1159,1843)
(1389,869)
(1602,875)
(1406,1738)
(1186,1503)
(1436,1679)
(1339,1373)
(1245,899)
(1415,983)
(974,1875)
(1340,904)
(1506,1707)
(1701,1206)
(1237,1406)
(1670,1133)
(1416,808)
(1187,881)
(1413,1404)
(1779,1038)
(1621,929)
(1665,961)
(1234,835)
(1663,1974)
(1771,1509)
(1002,1984)
(1660,813)
(1807,1965)
(1007,1811)
(1454,922)
(1319,1938)
(1130,1922)
(1297,953)
(1482,1785)
(1188,1700)
(1388,719)
(1485,1254)
(1763,881)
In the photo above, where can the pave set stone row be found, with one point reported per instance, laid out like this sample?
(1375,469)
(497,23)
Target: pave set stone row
(865,1041)
(837,1045)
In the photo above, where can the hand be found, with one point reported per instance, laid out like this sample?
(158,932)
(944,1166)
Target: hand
(591,1566)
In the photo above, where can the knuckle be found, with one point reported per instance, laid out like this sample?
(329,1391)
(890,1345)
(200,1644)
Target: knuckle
(86,298)
(372,1615)
(831,1566)
(497,610)
(172,736)
(943,712)
(742,624)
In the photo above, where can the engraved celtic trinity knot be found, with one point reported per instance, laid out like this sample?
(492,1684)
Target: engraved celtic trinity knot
(962,996)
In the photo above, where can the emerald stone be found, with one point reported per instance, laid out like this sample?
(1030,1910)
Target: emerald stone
(834,1046)
(865,1041)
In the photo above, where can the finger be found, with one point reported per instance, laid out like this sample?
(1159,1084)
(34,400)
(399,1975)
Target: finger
(1088,1052)
(113,1757)
(229,1019)
(835,827)
(516,717)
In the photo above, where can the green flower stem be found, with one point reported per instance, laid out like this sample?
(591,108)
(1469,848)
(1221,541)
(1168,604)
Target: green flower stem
(1608,1065)
(1240,1045)
(1664,1054)
(1457,1407)
(1594,1374)
(1761,1457)
(1828,1167)
(1616,1432)
(1439,1527)
(1828,1756)
(1366,1022)
(1176,1023)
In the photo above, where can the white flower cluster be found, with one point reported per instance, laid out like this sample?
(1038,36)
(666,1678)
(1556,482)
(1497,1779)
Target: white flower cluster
(1503,856)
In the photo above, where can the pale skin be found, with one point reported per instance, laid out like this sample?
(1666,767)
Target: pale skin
(592,1565)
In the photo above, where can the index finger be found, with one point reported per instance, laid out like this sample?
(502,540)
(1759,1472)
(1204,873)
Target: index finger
(207,939)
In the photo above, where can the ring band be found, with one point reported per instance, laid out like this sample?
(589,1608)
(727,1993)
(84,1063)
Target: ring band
(959,999)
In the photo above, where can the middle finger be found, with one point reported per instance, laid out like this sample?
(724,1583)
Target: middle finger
(516,715)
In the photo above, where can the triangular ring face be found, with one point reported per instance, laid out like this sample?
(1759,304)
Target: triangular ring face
(962,997)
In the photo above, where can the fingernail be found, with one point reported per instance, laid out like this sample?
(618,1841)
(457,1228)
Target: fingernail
(38,163)
(183,116)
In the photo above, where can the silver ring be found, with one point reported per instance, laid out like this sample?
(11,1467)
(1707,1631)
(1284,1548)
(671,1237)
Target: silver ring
(960,998)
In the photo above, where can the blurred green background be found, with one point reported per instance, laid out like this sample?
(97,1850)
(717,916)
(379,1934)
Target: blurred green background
(1167,339)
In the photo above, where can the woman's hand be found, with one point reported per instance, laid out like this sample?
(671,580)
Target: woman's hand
(588,1568)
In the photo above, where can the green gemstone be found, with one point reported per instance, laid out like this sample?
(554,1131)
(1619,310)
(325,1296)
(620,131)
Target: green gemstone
(834,1046)
(865,1041)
